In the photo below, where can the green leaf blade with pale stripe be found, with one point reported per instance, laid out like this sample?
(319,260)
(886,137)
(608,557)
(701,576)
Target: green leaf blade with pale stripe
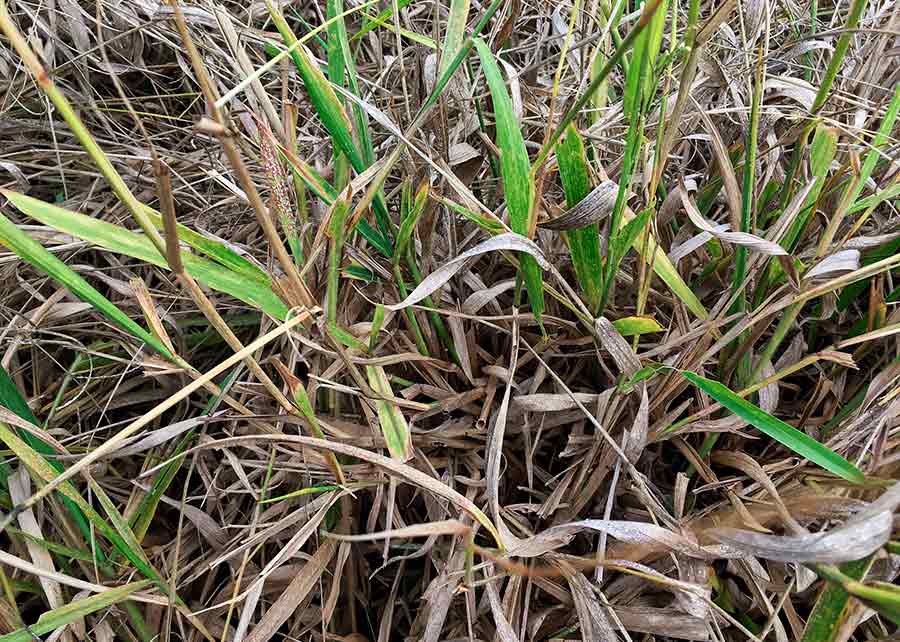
(123,241)
(584,243)
(393,425)
(515,167)
(68,613)
(34,253)
(455,33)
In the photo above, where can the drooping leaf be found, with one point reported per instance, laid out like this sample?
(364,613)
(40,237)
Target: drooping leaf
(118,239)
(444,273)
(795,440)
(34,253)
(213,249)
(59,617)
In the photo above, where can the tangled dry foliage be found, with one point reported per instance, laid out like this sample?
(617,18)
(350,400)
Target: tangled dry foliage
(451,470)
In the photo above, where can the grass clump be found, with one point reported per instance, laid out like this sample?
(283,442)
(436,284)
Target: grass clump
(391,320)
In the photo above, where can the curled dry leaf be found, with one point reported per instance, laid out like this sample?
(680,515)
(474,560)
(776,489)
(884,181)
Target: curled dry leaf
(640,533)
(618,348)
(596,206)
(501,242)
(860,536)
(843,261)
(160,436)
(445,527)
(481,298)
(750,241)
(547,402)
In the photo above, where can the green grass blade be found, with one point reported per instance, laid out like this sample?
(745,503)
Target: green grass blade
(321,94)
(874,155)
(212,249)
(379,20)
(39,467)
(12,400)
(628,235)
(52,620)
(830,611)
(337,221)
(795,440)
(824,91)
(518,186)
(410,217)
(634,326)
(748,187)
(311,178)
(53,547)
(584,243)
(654,42)
(637,95)
(393,425)
(874,200)
(597,80)
(884,598)
(821,154)
(330,109)
(34,253)
(122,241)
(669,275)
(665,270)
(336,64)
(455,34)
(338,30)
(377,323)
(840,52)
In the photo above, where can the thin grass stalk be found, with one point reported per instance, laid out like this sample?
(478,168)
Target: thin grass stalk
(364,137)
(824,91)
(221,131)
(646,16)
(425,109)
(694,41)
(167,207)
(875,154)
(632,149)
(749,185)
(437,322)
(119,438)
(410,313)
(778,335)
(337,76)
(62,105)
(337,219)
(738,283)
(644,265)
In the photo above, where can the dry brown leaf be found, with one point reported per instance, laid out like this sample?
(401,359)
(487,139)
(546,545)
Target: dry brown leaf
(307,579)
